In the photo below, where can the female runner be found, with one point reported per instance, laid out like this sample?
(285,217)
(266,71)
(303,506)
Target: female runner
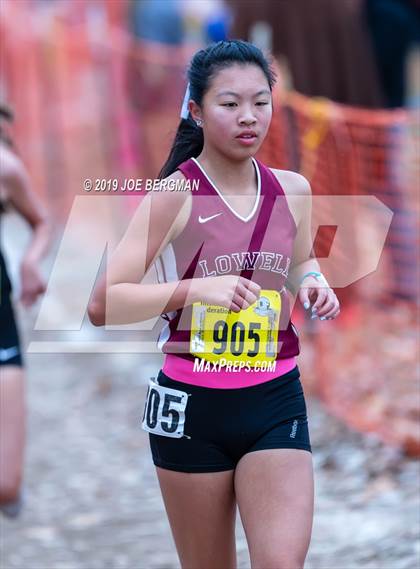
(15,191)
(226,415)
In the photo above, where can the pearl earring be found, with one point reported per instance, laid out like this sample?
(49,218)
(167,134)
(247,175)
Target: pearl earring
(199,122)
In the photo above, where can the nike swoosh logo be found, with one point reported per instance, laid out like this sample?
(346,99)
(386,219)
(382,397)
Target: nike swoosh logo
(204,219)
(8,353)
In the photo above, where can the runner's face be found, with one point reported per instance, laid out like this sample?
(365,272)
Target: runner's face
(238,99)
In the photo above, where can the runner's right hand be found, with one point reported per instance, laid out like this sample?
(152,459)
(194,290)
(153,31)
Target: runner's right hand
(230,291)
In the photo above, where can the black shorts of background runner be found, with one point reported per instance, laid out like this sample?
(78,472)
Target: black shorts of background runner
(10,351)
(222,425)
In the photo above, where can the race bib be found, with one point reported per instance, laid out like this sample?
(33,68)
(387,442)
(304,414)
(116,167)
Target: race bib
(250,335)
(164,411)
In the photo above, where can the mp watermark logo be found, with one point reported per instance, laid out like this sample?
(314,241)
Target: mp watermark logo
(96,227)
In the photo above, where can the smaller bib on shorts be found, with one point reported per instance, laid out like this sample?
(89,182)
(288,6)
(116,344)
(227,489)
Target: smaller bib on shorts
(164,411)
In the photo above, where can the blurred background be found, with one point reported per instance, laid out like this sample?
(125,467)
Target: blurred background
(96,88)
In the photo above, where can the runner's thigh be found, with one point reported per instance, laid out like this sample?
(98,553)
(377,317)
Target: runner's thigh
(201,509)
(274,491)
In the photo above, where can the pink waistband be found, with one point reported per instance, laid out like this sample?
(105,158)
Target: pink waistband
(182,369)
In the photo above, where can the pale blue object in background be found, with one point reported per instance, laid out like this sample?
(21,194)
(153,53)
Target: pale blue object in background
(158,20)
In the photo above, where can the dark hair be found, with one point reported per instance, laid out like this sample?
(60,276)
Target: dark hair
(205,63)
(5,114)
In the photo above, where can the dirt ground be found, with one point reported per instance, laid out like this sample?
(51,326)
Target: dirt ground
(92,499)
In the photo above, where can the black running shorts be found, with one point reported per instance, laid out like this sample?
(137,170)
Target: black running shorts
(203,429)
(10,352)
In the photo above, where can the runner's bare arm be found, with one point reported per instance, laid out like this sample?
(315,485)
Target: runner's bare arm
(299,198)
(16,188)
(119,298)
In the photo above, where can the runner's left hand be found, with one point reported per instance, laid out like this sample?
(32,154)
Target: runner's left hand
(325,302)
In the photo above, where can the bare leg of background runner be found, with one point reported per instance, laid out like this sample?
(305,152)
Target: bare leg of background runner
(12,425)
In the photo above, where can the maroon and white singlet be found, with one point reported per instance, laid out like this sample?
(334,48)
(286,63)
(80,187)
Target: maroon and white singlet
(219,241)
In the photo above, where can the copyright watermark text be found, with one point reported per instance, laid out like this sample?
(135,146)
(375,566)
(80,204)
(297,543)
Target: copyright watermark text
(106,185)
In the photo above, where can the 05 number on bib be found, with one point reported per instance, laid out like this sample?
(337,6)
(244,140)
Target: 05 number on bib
(250,335)
(164,411)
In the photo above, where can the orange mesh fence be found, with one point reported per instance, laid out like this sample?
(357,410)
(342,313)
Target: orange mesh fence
(349,151)
(364,364)
(91,102)
(66,83)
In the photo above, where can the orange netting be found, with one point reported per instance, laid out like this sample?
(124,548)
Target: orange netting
(364,364)
(90,102)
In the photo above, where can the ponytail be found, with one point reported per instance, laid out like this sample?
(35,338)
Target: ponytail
(189,141)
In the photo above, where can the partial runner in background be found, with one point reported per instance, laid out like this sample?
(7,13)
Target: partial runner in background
(16,193)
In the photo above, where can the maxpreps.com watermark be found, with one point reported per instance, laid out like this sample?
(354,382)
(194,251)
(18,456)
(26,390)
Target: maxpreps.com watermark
(139,185)
(236,366)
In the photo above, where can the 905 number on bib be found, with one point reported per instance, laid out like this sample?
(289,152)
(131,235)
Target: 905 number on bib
(249,335)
